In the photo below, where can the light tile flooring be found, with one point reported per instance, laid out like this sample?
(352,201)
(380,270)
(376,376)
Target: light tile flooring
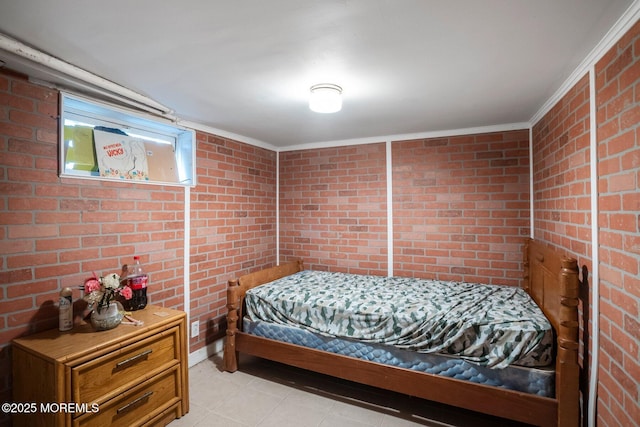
(263,393)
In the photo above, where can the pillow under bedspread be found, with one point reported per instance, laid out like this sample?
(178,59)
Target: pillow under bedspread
(490,325)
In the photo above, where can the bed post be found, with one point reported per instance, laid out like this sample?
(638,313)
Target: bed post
(567,368)
(230,352)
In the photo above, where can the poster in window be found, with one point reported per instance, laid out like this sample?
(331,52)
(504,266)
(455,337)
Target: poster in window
(121,156)
(81,153)
(161,158)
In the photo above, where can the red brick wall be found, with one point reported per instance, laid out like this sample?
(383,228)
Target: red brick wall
(55,232)
(233,217)
(562,190)
(561,175)
(333,210)
(562,213)
(618,135)
(461,207)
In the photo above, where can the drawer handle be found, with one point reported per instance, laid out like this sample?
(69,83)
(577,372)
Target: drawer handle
(135,402)
(133,359)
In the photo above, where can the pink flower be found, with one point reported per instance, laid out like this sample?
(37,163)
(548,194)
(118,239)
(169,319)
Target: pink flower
(91,285)
(126,292)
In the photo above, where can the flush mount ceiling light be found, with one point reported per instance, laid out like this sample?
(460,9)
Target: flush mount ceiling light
(325,98)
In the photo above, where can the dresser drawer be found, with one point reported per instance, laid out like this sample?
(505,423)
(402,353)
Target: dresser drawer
(138,406)
(114,373)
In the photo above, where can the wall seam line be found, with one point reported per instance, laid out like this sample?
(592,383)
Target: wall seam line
(531,195)
(187,257)
(277,208)
(389,167)
(595,259)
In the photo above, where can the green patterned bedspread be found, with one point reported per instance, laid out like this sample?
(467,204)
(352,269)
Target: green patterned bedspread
(490,325)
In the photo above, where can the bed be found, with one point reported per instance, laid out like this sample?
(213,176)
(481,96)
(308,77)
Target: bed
(550,280)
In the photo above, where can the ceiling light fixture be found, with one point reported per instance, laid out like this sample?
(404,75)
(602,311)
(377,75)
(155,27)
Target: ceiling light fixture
(325,98)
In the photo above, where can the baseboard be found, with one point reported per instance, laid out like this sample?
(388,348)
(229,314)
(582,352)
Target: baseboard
(206,352)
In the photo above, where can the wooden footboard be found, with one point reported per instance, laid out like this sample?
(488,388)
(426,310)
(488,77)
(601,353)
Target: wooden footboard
(551,280)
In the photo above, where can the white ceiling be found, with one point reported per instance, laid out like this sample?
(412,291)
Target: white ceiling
(245,67)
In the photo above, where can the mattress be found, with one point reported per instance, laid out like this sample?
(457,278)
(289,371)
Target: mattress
(488,325)
(539,381)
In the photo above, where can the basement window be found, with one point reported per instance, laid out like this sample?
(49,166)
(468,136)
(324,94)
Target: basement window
(103,142)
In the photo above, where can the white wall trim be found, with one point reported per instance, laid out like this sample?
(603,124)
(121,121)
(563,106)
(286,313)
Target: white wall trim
(622,25)
(277,208)
(531,195)
(225,134)
(595,256)
(408,136)
(187,257)
(389,167)
(203,353)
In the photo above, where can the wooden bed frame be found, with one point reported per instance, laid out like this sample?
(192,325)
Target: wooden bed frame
(550,279)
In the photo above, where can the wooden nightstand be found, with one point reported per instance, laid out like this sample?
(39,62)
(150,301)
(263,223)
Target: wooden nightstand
(127,376)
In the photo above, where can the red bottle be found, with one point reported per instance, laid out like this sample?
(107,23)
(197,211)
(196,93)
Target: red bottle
(137,280)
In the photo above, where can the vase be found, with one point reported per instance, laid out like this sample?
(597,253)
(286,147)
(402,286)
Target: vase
(108,317)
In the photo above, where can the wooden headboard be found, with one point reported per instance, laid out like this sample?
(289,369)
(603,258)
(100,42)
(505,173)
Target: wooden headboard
(251,280)
(552,281)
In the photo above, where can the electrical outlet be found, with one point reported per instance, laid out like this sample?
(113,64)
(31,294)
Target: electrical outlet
(195,328)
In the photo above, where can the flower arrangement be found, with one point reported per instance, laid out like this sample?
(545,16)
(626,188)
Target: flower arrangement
(101,291)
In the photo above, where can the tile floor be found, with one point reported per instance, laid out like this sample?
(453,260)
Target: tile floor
(263,393)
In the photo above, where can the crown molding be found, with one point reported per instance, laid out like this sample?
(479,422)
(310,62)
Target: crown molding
(622,25)
(409,136)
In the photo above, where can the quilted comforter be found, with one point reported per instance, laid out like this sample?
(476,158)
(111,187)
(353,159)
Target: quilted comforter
(493,326)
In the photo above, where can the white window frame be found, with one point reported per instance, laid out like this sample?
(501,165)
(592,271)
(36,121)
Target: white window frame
(94,113)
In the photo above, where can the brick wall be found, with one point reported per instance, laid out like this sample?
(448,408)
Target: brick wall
(562,192)
(333,208)
(461,207)
(233,217)
(618,135)
(55,232)
(562,214)
(561,179)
